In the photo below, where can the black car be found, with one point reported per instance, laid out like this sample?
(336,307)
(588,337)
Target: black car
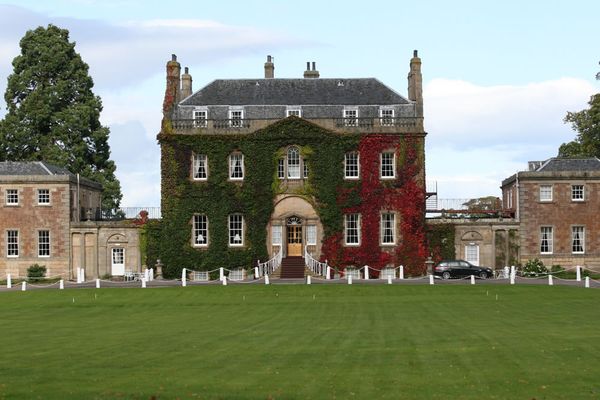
(459,268)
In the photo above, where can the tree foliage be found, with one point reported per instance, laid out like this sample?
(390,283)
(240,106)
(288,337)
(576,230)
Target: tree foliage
(587,125)
(488,203)
(53,115)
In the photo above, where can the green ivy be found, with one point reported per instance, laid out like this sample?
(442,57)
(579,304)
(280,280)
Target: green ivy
(440,238)
(218,197)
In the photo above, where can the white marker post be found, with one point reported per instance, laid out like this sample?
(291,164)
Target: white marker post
(97,283)
(512,278)
(146,274)
(587,281)
(267,279)
(256,275)
(183,278)
(366,272)
(550,281)
(151,274)
(578,273)
(328,273)
(402,272)
(78,275)
(472,279)
(349,279)
(221,273)
(8,281)
(23,286)
(82,275)
(308,282)
(143,283)
(506,272)
(389,280)
(224,281)
(431,279)
(61,284)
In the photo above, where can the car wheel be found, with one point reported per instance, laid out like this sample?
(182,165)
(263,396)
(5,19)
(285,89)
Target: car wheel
(446,275)
(483,275)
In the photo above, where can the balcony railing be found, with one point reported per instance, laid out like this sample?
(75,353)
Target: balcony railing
(362,124)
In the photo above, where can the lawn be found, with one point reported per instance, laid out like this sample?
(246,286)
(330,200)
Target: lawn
(302,342)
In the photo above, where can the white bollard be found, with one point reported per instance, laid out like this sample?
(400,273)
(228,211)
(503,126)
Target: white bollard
(513,271)
(587,281)
(221,273)
(97,283)
(151,274)
(256,275)
(78,275)
(550,281)
(266,279)
(389,280)
(506,272)
(578,273)
(23,286)
(366,272)
(308,280)
(146,274)
(349,279)
(431,279)
(143,283)
(224,281)
(512,278)
(61,284)
(472,279)
(328,273)
(183,278)
(82,275)
(8,281)
(402,272)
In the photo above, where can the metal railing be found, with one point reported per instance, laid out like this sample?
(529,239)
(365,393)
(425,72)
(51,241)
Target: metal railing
(268,267)
(315,266)
(129,213)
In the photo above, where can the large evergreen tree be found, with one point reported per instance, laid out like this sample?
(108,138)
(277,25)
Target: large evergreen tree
(53,115)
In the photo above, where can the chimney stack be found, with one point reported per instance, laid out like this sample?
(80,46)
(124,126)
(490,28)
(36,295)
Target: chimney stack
(186,84)
(415,83)
(311,74)
(269,68)
(173,85)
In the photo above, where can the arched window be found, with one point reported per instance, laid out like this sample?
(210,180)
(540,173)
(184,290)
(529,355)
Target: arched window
(293,163)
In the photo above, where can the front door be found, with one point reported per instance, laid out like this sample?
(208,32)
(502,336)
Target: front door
(118,262)
(294,241)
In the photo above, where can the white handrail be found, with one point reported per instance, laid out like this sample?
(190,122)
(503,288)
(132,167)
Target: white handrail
(316,267)
(268,267)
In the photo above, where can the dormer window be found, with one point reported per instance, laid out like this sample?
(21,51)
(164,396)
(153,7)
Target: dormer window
(236,116)
(295,111)
(351,116)
(386,116)
(200,117)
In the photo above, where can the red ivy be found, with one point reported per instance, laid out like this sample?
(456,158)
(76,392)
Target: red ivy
(404,194)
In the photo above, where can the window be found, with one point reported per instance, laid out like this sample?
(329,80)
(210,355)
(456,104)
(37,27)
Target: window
(304,169)
(44,243)
(546,238)
(276,235)
(388,228)
(295,111)
(235,118)
(545,192)
(281,168)
(43,196)
(577,193)
(510,198)
(12,243)
(236,230)
(351,165)
(200,170)
(200,230)
(352,229)
(12,197)
(578,239)
(388,165)
(293,163)
(350,117)
(472,253)
(386,117)
(236,166)
(311,235)
(200,118)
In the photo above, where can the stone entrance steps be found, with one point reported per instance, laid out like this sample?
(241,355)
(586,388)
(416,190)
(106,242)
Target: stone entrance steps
(292,268)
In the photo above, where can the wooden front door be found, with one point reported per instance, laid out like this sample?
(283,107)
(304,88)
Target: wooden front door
(294,241)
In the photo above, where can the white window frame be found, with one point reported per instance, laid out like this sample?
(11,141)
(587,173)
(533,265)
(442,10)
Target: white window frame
(200,116)
(577,192)
(509,198)
(235,230)
(197,161)
(12,197)
(348,220)
(381,155)
(387,120)
(383,228)
(43,194)
(44,252)
(580,240)
(472,246)
(276,235)
(549,240)
(546,193)
(351,116)
(293,110)
(12,234)
(347,165)
(292,168)
(311,235)
(233,121)
(232,166)
(281,168)
(198,229)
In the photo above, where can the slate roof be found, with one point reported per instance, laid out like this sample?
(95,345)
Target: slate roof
(570,164)
(355,91)
(31,168)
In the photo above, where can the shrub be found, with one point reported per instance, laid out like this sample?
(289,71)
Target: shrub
(534,267)
(36,272)
(556,269)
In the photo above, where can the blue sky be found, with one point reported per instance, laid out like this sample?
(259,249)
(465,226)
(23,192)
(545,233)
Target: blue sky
(498,76)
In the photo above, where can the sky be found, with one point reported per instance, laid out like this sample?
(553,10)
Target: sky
(499,77)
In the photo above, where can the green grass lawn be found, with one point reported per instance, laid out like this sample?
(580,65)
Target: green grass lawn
(302,342)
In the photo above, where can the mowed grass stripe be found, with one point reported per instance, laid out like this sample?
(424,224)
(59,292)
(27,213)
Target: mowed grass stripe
(302,342)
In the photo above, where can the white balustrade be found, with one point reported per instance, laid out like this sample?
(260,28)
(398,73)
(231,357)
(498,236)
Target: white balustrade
(315,266)
(268,267)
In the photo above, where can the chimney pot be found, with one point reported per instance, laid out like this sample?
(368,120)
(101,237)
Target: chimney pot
(314,68)
(415,53)
(187,70)
(173,57)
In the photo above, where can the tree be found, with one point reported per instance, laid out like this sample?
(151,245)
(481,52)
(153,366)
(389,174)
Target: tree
(488,203)
(53,115)
(587,125)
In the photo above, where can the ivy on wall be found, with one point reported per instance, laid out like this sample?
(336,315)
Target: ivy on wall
(441,241)
(326,189)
